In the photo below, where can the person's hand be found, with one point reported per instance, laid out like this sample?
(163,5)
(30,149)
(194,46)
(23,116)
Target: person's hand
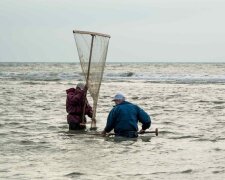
(141,131)
(82,124)
(103,133)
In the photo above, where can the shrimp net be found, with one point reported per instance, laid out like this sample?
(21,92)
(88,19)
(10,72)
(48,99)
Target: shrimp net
(92,51)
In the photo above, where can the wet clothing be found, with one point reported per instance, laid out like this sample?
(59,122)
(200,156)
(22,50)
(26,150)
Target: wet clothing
(74,107)
(124,118)
(128,134)
(76,126)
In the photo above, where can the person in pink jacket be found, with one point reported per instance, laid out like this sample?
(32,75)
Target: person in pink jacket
(75,101)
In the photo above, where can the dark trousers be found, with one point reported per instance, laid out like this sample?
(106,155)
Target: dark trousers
(76,126)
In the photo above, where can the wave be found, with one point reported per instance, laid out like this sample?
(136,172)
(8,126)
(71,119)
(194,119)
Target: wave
(166,78)
(39,76)
(126,76)
(154,73)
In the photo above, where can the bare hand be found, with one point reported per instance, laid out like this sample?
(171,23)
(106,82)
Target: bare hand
(141,131)
(103,133)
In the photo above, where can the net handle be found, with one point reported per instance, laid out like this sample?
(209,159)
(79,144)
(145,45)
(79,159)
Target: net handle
(91,33)
(89,65)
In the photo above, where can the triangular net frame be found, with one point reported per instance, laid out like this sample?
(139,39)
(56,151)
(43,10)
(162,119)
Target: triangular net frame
(92,50)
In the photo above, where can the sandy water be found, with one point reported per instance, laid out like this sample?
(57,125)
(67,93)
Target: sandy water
(186,103)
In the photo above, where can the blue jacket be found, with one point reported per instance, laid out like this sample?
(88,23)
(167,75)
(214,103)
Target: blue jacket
(125,116)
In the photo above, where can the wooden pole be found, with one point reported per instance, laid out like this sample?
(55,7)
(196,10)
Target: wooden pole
(156,132)
(87,79)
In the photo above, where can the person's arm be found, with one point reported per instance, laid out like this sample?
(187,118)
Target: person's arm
(145,119)
(110,122)
(88,110)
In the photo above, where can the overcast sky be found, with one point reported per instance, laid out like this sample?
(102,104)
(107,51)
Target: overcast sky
(141,30)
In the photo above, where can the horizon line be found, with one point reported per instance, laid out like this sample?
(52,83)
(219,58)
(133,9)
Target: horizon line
(210,62)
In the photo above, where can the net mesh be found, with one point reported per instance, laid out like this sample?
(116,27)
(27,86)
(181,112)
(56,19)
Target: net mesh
(92,50)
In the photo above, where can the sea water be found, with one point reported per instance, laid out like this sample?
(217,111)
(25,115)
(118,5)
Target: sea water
(186,102)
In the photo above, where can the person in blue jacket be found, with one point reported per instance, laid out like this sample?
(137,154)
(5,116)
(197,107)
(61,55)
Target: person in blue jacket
(124,118)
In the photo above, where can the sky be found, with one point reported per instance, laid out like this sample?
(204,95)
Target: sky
(140,30)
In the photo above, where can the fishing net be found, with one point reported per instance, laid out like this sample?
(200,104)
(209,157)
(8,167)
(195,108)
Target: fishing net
(92,50)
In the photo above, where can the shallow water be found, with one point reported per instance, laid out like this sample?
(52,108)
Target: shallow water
(186,103)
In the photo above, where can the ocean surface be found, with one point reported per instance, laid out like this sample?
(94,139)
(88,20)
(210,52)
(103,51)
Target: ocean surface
(186,102)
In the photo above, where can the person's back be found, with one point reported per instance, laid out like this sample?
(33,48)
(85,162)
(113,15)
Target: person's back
(124,117)
(75,102)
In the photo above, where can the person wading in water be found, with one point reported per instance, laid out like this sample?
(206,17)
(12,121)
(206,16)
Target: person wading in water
(124,118)
(77,107)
